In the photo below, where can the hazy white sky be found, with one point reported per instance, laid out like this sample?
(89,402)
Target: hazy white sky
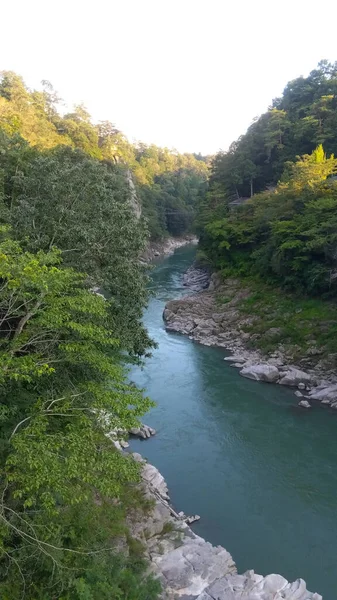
(189,74)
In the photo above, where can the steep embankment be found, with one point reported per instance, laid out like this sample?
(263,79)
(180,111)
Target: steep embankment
(271,342)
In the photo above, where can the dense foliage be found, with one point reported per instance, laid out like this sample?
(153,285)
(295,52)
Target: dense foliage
(168,183)
(68,224)
(286,233)
(63,389)
(65,198)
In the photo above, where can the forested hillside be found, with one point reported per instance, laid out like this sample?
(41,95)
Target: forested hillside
(168,183)
(286,233)
(67,225)
(304,117)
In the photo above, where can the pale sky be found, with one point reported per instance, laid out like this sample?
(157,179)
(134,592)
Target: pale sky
(187,74)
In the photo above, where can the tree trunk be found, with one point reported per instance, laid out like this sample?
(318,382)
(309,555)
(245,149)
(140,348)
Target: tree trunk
(251,187)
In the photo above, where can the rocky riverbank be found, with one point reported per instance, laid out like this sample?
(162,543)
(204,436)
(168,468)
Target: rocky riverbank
(190,568)
(167,246)
(214,317)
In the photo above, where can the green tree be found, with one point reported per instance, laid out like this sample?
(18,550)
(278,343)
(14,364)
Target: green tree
(90,218)
(62,391)
(288,235)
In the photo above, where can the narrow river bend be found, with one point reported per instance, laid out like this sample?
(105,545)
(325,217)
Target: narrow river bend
(261,472)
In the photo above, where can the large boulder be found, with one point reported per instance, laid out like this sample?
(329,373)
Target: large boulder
(263,372)
(293,377)
(187,570)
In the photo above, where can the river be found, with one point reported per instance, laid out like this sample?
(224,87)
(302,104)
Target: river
(260,471)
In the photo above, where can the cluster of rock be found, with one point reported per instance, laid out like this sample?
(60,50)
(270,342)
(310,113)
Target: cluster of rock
(203,319)
(167,246)
(117,436)
(322,392)
(190,568)
(287,375)
(143,431)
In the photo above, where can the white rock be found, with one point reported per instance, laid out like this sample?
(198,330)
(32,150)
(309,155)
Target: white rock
(298,394)
(263,372)
(328,394)
(301,386)
(274,583)
(190,520)
(294,377)
(304,404)
(238,359)
(193,566)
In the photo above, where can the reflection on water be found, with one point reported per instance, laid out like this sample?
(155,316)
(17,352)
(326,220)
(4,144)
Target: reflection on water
(260,471)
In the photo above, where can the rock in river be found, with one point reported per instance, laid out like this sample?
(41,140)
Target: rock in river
(261,372)
(327,395)
(304,404)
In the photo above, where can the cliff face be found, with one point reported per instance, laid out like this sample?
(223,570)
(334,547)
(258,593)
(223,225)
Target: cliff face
(190,568)
(135,204)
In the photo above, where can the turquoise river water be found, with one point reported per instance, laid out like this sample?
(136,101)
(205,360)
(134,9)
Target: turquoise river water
(261,472)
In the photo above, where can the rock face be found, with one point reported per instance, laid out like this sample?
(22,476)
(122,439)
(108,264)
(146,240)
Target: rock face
(152,476)
(190,568)
(262,372)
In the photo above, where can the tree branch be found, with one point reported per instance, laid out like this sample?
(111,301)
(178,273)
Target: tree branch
(27,316)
